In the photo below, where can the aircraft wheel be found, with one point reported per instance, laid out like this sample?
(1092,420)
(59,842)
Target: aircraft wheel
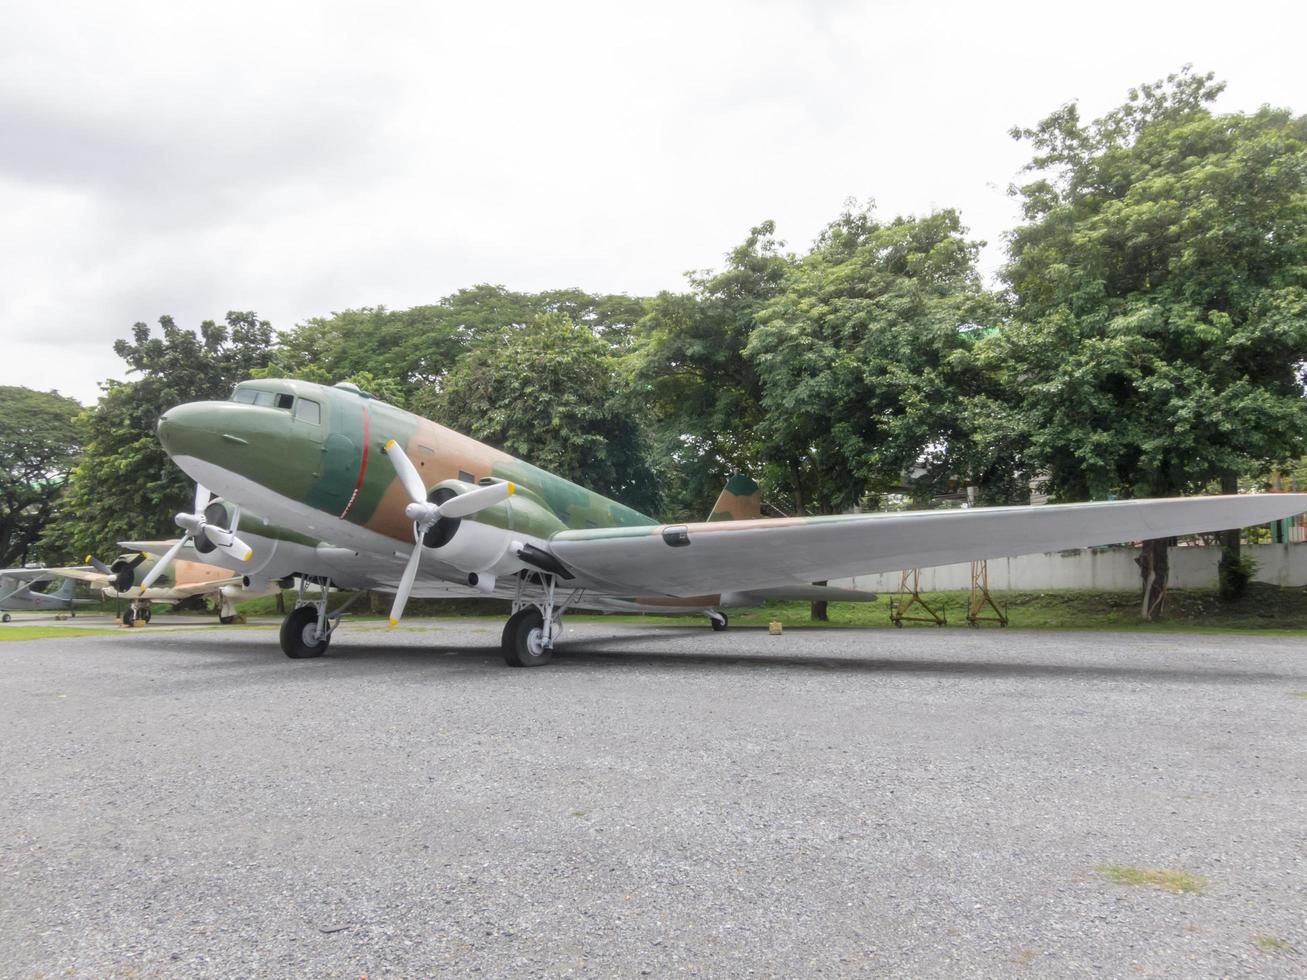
(5,618)
(146,615)
(228,620)
(129,616)
(719,625)
(298,632)
(523,639)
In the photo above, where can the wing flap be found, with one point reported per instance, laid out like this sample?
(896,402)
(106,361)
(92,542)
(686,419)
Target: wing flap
(764,554)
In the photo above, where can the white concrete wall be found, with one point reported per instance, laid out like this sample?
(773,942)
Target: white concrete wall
(1107,570)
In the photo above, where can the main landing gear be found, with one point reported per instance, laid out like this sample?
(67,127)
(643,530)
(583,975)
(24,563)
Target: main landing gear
(719,621)
(138,611)
(306,630)
(529,634)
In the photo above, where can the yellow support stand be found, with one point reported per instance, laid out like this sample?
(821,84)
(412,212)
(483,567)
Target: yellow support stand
(980,597)
(910,587)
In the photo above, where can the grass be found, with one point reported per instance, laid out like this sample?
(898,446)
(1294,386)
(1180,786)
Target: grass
(45,632)
(1172,879)
(1266,609)
(1265,941)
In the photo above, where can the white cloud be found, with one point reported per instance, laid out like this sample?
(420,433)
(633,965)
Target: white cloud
(297,159)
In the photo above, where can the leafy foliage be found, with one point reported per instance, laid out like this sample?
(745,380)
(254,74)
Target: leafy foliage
(124,485)
(862,357)
(1159,287)
(398,353)
(549,392)
(39,440)
(703,395)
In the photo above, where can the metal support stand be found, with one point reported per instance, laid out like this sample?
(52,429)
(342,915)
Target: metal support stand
(320,603)
(910,587)
(980,597)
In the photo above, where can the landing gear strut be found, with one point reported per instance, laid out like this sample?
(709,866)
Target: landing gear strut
(306,631)
(529,634)
(138,611)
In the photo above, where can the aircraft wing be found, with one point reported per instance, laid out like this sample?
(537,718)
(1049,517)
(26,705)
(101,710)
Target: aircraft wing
(175,593)
(81,573)
(722,556)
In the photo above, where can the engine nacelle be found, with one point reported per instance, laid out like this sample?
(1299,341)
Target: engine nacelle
(480,548)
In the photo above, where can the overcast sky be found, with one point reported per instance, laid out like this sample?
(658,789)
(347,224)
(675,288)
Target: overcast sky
(297,159)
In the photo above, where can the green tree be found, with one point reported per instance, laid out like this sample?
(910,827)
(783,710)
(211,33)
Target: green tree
(399,353)
(703,396)
(550,392)
(124,485)
(39,441)
(862,359)
(1159,290)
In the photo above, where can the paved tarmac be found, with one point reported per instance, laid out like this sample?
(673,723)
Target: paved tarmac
(660,801)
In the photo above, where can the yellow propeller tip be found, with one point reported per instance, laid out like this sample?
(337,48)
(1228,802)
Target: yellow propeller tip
(394,621)
(247,555)
(389,443)
(511,489)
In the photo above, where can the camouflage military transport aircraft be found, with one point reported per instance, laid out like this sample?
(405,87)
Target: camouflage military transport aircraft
(355,493)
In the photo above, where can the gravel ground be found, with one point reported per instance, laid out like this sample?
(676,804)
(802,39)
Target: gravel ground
(659,801)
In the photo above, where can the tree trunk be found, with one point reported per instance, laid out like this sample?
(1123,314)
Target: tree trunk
(1229,573)
(1154,566)
(817,610)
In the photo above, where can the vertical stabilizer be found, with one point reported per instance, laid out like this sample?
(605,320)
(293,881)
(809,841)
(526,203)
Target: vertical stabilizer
(739,501)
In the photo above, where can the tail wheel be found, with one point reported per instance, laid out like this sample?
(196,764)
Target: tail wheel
(719,623)
(299,634)
(523,639)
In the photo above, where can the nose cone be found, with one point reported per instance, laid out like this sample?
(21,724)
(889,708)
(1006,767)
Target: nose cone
(189,430)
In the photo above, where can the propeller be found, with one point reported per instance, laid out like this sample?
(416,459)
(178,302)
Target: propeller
(424,513)
(195,524)
(120,573)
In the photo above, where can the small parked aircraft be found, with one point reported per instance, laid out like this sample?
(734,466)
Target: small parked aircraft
(359,494)
(190,577)
(17,594)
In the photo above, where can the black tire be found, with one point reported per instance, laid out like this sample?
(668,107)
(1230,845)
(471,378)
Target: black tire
(719,625)
(520,644)
(146,615)
(227,620)
(129,616)
(5,618)
(293,628)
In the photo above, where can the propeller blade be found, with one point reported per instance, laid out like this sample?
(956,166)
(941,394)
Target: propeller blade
(140,557)
(475,500)
(153,574)
(228,542)
(407,472)
(405,584)
(201,499)
(98,565)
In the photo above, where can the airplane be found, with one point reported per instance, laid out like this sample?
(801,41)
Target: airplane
(17,594)
(355,493)
(191,577)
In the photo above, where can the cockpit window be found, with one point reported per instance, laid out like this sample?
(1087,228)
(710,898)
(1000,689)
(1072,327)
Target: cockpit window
(257,396)
(308,411)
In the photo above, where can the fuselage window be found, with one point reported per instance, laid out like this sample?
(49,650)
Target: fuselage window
(285,401)
(257,396)
(466,477)
(245,395)
(308,411)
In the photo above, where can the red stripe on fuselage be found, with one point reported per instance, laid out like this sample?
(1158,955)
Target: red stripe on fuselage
(363,466)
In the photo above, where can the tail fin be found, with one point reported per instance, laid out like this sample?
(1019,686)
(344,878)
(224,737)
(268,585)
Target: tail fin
(65,590)
(740,500)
